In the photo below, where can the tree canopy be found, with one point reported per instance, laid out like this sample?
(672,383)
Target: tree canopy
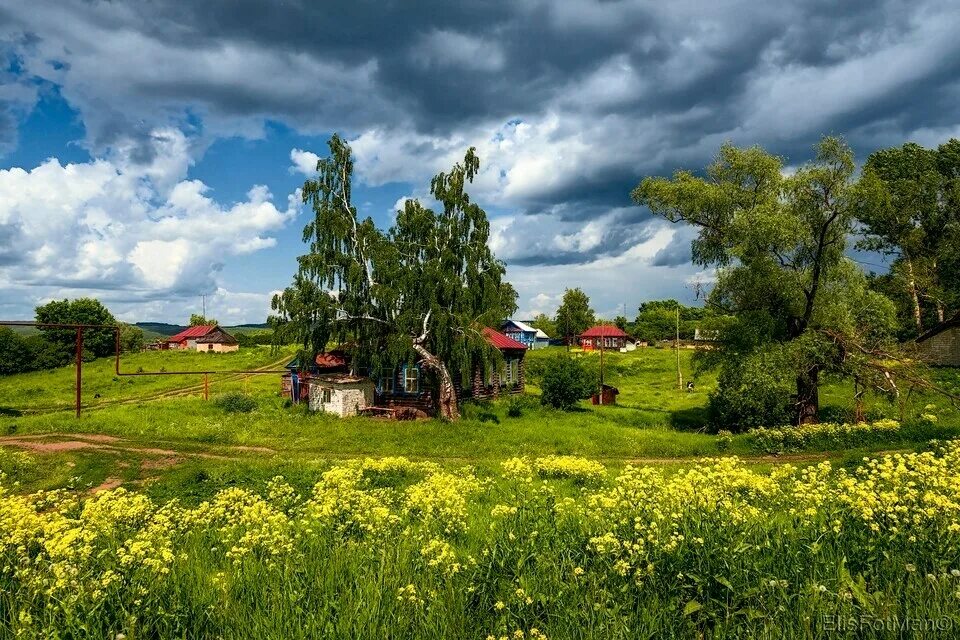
(778,244)
(574,315)
(96,342)
(198,320)
(421,291)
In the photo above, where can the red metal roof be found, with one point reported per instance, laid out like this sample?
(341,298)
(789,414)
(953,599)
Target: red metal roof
(330,360)
(604,331)
(500,341)
(192,332)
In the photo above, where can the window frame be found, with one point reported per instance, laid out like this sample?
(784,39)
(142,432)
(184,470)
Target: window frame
(388,375)
(407,369)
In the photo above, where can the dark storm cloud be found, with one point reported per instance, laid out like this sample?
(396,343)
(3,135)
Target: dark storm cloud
(636,88)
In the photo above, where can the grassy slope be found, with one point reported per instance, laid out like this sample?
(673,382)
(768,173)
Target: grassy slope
(653,421)
(53,390)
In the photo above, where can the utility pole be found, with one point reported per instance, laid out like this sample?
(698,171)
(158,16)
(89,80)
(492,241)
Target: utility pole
(203,297)
(601,367)
(677,344)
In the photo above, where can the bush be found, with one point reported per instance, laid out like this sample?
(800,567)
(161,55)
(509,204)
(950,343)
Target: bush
(235,402)
(564,382)
(752,392)
(514,408)
(724,440)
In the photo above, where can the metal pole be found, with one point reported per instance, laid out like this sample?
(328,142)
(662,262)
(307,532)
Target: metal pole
(79,365)
(677,343)
(206,387)
(602,339)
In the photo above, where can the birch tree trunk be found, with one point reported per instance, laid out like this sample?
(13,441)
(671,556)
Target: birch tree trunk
(447,408)
(914,297)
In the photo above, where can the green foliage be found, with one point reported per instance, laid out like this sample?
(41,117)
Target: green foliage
(545,324)
(907,209)
(822,436)
(755,393)
(96,342)
(657,320)
(198,320)
(564,382)
(131,338)
(620,322)
(255,338)
(235,402)
(574,315)
(16,355)
(421,290)
(778,242)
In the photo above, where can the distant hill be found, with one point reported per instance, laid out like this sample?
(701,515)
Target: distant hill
(166,330)
(161,328)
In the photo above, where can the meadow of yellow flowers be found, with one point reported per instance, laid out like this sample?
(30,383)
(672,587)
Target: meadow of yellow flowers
(553,547)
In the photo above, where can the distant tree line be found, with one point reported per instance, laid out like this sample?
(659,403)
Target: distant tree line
(51,347)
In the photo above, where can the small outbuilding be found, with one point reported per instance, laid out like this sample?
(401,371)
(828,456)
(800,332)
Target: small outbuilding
(607,395)
(217,341)
(940,346)
(341,394)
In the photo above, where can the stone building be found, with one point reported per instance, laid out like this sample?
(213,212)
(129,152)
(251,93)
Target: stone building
(341,394)
(940,346)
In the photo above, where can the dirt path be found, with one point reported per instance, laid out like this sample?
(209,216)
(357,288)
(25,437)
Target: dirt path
(60,442)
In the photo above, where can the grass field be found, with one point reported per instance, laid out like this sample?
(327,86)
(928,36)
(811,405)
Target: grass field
(326,530)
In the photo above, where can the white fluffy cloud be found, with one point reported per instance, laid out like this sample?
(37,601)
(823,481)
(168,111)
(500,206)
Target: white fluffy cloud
(114,225)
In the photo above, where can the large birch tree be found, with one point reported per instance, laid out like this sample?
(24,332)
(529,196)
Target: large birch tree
(419,292)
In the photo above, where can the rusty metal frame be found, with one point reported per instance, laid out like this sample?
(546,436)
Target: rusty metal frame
(80,328)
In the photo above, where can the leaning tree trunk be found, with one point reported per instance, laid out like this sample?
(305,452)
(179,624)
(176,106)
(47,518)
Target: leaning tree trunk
(808,397)
(447,408)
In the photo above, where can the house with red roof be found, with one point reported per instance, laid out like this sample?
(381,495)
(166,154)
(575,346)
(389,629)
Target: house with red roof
(404,390)
(603,336)
(208,338)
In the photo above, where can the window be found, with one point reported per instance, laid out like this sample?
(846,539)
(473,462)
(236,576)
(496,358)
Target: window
(511,371)
(210,347)
(325,395)
(388,378)
(411,379)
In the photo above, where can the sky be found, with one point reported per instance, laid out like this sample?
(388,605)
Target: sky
(151,152)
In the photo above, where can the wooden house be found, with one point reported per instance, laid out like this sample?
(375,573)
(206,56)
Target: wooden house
(403,386)
(940,346)
(530,337)
(403,390)
(603,336)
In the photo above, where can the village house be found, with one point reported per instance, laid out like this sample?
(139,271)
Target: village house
(603,336)
(187,339)
(528,336)
(940,345)
(402,390)
(216,340)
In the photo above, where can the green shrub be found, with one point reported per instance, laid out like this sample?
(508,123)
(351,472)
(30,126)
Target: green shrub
(514,408)
(751,392)
(724,440)
(236,402)
(565,381)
